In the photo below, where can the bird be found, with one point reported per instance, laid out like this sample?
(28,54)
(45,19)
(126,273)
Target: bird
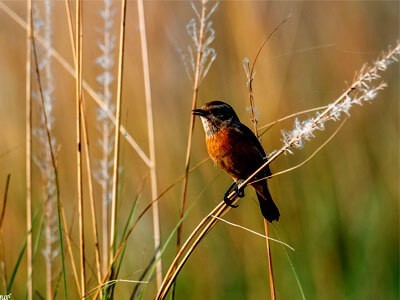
(236,150)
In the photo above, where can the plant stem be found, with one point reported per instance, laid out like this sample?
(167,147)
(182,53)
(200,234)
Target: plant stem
(28,158)
(150,130)
(87,152)
(270,268)
(114,196)
(78,70)
(196,84)
(53,160)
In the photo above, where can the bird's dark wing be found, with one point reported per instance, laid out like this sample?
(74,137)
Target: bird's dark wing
(246,135)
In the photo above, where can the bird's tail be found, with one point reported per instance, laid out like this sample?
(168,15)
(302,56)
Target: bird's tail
(268,207)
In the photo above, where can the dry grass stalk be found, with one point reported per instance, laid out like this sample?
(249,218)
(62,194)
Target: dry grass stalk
(250,72)
(78,86)
(270,267)
(3,271)
(87,153)
(52,155)
(200,67)
(62,218)
(117,132)
(254,232)
(192,118)
(106,128)
(150,133)
(28,158)
(42,18)
(91,194)
(69,247)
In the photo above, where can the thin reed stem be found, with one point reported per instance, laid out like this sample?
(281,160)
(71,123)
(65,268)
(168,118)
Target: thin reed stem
(196,83)
(114,197)
(43,21)
(200,65)
(150,133)
(69,247)
(28,157)
(3,270)
(187,248)
(87,153)
(52,155)
(106,128)
(3,208)
(250,72)
(91,194)
(270,268)
(78,86)
(254,232)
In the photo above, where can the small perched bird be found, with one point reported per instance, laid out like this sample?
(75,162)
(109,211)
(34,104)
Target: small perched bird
(235,149)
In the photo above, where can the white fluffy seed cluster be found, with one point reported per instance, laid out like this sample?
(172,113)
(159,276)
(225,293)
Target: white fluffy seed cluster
(362,90)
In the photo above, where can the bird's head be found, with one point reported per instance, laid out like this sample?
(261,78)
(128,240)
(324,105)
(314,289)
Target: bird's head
(215,115)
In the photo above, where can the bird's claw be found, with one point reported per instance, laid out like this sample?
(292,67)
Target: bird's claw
(239,193)
(229,202)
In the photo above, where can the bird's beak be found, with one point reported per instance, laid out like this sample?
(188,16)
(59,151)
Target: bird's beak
(199,112)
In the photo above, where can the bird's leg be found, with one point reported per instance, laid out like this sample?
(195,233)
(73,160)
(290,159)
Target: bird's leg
(239,192)
(227,201)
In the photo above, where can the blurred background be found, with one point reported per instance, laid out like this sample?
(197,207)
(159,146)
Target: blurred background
(340,211)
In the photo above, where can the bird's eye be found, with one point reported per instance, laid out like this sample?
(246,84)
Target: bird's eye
(217,112)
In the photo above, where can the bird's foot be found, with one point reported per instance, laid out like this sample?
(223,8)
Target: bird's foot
(239,193)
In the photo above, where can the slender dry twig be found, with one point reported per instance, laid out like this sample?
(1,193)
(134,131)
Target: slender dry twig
(63,221)
(250,73)
(105,126)
(28,158)
(70,28)
(87,154)
(117,132)
(43,23)
(110,283)
(253,232)
(69,247)
(270,268)
(61,215)
(150,133)
(2,215)
(52,155)
(78,86)
(3,209)
(91,192)
(200,68)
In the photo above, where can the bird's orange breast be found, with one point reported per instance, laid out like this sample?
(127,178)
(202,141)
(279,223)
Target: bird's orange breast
(219,145)
(234,152)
